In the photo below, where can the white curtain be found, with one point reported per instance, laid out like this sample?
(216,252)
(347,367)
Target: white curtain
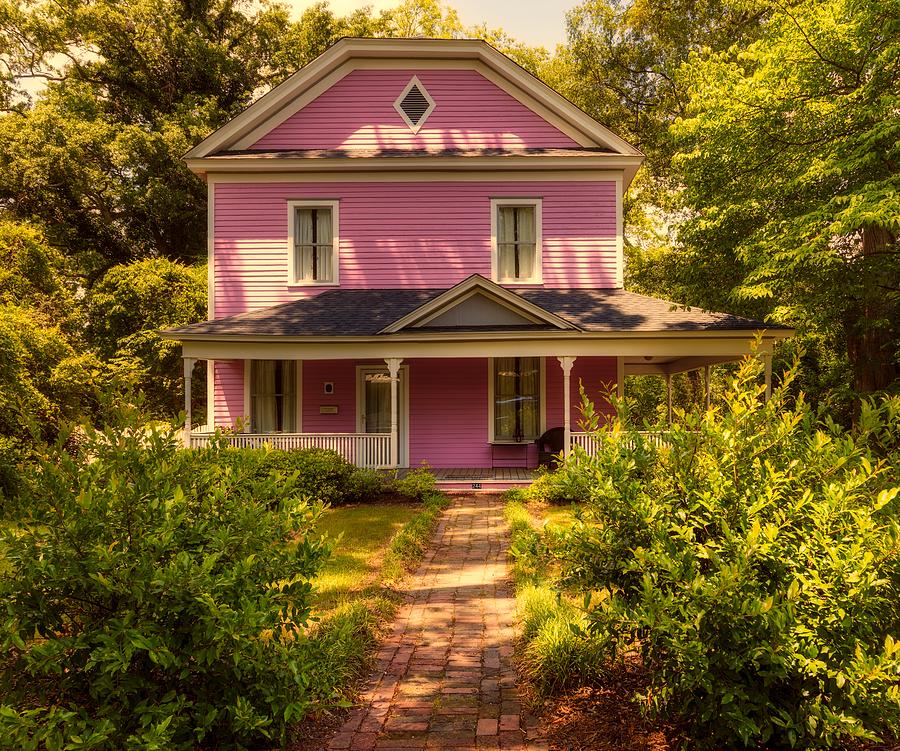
(273,396)
(378,403)
(314,244)
(516,235)
(517,388)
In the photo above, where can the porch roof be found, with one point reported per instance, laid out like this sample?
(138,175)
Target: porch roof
(367,312)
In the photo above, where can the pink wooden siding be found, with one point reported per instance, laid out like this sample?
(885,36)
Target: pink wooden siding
(398,234)
(358,113)
(229,392)
(342,373)
(448,404)
(596,374)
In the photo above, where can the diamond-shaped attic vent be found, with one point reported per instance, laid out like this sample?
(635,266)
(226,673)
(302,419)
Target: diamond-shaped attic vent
(414,104)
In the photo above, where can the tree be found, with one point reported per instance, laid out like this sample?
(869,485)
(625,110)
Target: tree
(790,154)
(127,308)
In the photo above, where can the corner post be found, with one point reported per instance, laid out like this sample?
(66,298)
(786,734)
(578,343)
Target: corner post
(393,364)
(706,381)
(566,362)
(669,396)
(767,365)
(188,371)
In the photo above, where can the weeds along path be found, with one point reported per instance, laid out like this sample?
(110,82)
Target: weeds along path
(445,676)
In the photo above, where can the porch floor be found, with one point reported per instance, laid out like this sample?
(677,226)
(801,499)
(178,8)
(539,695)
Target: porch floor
(517,475)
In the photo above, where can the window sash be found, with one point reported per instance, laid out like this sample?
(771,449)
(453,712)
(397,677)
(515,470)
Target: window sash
(516,242)
(273,396)
(517,398)
(313,244)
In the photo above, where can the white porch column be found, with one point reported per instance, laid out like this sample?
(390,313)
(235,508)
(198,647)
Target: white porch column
(706,382)
(393,364)
(669,396)
(767,364)
(620,377)
(188,371)
(566,362)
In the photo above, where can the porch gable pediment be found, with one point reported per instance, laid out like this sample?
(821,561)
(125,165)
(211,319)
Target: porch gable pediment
(477,303)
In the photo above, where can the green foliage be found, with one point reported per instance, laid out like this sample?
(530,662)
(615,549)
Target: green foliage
(557,652)
(153,601)
(788,152)
(127,307)
(32,272)
(558,487)
(409,544)
(752,560)
(416,485)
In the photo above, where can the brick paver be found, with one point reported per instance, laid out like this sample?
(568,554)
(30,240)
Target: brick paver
(445,676)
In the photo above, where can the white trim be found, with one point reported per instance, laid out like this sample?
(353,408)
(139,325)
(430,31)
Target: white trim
(414,81)
(446,300)
(387,172)
(211,394)
(411,52)
(458,301)
(210,248)
(299,396)
(292,206)
(542,419)
(536,204)
(504,344)
(404,403)
(247,416)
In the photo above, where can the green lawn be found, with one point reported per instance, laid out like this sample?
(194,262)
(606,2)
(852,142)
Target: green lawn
(365,533)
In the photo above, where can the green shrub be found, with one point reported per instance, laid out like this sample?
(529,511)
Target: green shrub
(415,485)
(14,456)
(753,561)
(152,601)
(557,488)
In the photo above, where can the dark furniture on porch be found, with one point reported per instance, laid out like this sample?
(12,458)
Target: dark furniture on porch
(549,446)
(507,454)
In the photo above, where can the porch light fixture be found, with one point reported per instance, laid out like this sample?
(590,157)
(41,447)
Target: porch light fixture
(414,104)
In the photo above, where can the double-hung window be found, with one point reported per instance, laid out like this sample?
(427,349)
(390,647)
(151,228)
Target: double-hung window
(313,241)
(516,398)
(273,396)
(517,240)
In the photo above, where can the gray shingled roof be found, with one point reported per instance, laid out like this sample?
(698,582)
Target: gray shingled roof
(365,312)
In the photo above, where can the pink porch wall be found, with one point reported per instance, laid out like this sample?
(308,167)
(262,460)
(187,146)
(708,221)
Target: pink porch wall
(229,392)
(597,374)
(448,409)
(397,234)
(358,113)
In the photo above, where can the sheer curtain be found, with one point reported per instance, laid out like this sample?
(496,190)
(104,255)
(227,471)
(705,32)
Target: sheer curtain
(378,403)
(516,242)
(273,396)
(517,387)
(314,244)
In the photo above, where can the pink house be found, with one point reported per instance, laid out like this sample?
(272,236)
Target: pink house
(415,255)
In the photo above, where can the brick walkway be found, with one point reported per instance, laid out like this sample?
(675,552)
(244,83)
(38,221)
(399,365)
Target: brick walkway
(445,676)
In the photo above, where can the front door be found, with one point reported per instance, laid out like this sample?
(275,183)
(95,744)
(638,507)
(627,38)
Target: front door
(374,405)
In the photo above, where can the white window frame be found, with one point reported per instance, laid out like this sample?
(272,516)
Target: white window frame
(248,418)
(292,207)
(490,409)
(536,203)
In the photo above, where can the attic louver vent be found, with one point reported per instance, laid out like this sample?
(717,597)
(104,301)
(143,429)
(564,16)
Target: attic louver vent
(414,104)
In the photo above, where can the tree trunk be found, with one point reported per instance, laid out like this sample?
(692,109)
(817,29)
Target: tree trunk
(871,324)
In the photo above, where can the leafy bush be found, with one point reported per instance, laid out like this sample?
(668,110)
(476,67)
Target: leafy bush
(152,600)
(753,562)
(416,485)
(556,488)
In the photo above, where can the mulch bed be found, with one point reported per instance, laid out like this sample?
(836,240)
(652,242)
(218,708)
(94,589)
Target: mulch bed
(600,718)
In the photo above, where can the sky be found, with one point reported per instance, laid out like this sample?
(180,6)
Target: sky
(535,22)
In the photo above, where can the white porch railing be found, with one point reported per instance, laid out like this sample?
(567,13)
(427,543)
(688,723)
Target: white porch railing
(588,443)
(368,450)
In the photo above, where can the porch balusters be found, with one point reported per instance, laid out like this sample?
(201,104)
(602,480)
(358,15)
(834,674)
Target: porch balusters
(566,362)
(393,364)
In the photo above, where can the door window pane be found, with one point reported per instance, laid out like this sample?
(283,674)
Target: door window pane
(378,403)
(517,402)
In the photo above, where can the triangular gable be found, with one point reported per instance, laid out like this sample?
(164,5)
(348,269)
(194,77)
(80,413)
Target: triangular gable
(349,54)
(477,302)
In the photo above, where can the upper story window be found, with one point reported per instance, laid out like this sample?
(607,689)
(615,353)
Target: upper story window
(516,240)
(313,239)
